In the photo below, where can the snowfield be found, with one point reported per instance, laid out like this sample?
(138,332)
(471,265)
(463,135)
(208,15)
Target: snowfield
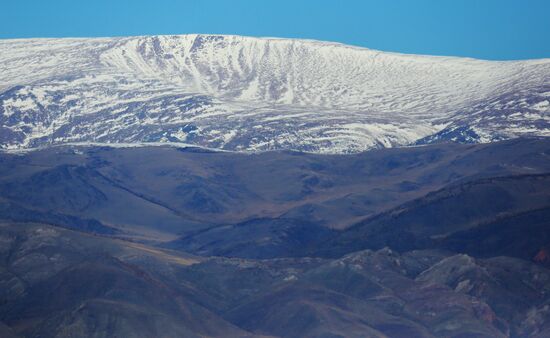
(255,94)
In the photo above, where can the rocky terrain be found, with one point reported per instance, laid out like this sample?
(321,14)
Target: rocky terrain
(227,186)
(445,240)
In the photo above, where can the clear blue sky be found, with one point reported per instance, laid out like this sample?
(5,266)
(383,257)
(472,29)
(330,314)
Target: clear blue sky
(489,29)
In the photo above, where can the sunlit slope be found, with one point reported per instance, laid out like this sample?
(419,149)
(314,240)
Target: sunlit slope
(241,93)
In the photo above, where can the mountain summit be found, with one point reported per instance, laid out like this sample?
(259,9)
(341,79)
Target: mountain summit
(254,94)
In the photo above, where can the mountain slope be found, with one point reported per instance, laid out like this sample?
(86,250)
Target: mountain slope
(164,193)
(61,283)
(241,93)
(446,240)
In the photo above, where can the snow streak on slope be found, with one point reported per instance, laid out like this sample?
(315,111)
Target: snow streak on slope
(241,93)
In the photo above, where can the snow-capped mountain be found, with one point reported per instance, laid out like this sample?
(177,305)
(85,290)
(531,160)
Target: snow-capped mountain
(241,93)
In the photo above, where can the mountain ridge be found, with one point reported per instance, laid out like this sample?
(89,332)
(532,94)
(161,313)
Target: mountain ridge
(243,93)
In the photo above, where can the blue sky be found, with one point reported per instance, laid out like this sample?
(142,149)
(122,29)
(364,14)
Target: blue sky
(488,29)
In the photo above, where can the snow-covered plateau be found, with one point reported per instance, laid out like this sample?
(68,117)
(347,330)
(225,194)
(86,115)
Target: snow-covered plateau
(255,94)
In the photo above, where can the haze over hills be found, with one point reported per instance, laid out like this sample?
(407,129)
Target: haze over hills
(444,240)
(226,186)
(241,93)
